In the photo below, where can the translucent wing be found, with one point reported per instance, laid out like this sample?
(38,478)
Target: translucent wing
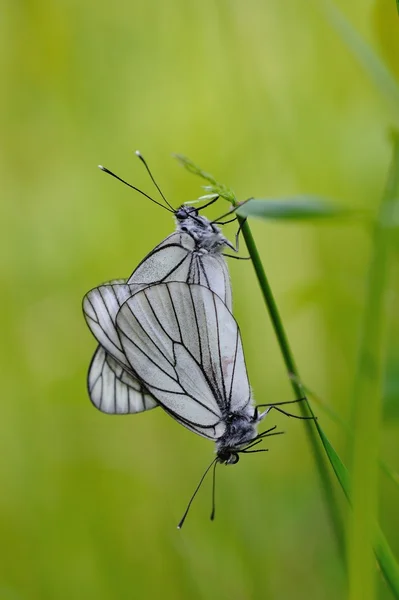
(113,387)
(178,259)
(186,348)
(100,307)
(113,390)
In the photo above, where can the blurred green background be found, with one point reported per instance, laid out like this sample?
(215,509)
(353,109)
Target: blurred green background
(267,97)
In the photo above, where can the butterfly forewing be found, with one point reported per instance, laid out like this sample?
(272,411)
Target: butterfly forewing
(140,319)
(169,261)
(213,274)
(176,259)
(143,341)
(198,370)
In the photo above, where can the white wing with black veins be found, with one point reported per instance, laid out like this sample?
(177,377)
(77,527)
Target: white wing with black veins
(113,390)
(174,259)
(186,348)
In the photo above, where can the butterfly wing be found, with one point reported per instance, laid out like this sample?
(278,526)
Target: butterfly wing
(186,349)
(100,307)
(113,390)
(174,259)
(177,259)
(112,385)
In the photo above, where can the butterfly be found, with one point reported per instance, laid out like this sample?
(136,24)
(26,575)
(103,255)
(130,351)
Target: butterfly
(186,349)
(192,254)
(167,338)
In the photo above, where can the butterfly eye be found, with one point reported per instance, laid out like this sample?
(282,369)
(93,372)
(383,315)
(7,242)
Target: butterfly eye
(182,213)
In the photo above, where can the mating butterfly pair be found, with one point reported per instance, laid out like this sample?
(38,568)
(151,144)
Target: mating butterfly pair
(167,338)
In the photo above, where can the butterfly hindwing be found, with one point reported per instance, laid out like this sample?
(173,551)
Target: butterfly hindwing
(113,390)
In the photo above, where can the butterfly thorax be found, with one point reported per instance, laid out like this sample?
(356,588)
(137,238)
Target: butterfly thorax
(240,431)
(207,235)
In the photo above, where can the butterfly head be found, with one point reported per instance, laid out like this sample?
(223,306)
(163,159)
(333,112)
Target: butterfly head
(206,234)
(240,431)
(227,456)
(185,212)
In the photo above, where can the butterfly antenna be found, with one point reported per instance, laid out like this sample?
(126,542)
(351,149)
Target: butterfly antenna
(209,203)
(213,197)
(180,525)
(232,210)
(141,157)
(133,187)
(214,490)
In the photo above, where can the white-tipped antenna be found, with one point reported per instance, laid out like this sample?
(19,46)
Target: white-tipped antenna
(140,156)
(134,188)
(208,197)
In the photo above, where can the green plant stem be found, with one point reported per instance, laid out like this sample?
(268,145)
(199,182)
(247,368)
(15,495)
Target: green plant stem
(382,550)
(392,475)
(384,555)
(296,386)
(367,397)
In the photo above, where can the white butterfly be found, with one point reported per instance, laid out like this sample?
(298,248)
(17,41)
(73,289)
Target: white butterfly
(192,254)
(186,349)
(167,337)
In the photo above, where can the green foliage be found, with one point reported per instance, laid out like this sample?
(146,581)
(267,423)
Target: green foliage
(368,390)
(215,187)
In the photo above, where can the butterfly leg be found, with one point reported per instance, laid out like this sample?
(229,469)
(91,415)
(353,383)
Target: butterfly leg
(276,406)
(236,246)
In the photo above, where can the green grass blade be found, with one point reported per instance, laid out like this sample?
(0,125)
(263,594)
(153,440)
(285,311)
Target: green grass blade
(299,207)
(384,555)
(386,561)
(323,471)
(296,386)
(214,186)
(389,472)
(368,392)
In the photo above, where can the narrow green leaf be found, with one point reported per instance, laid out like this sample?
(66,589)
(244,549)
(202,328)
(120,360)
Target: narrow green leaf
(368,393)
(286,351)
(386,560)
(391,386)
(215,187)
(336,463)
(389,472)
(385,557)
(299,207)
